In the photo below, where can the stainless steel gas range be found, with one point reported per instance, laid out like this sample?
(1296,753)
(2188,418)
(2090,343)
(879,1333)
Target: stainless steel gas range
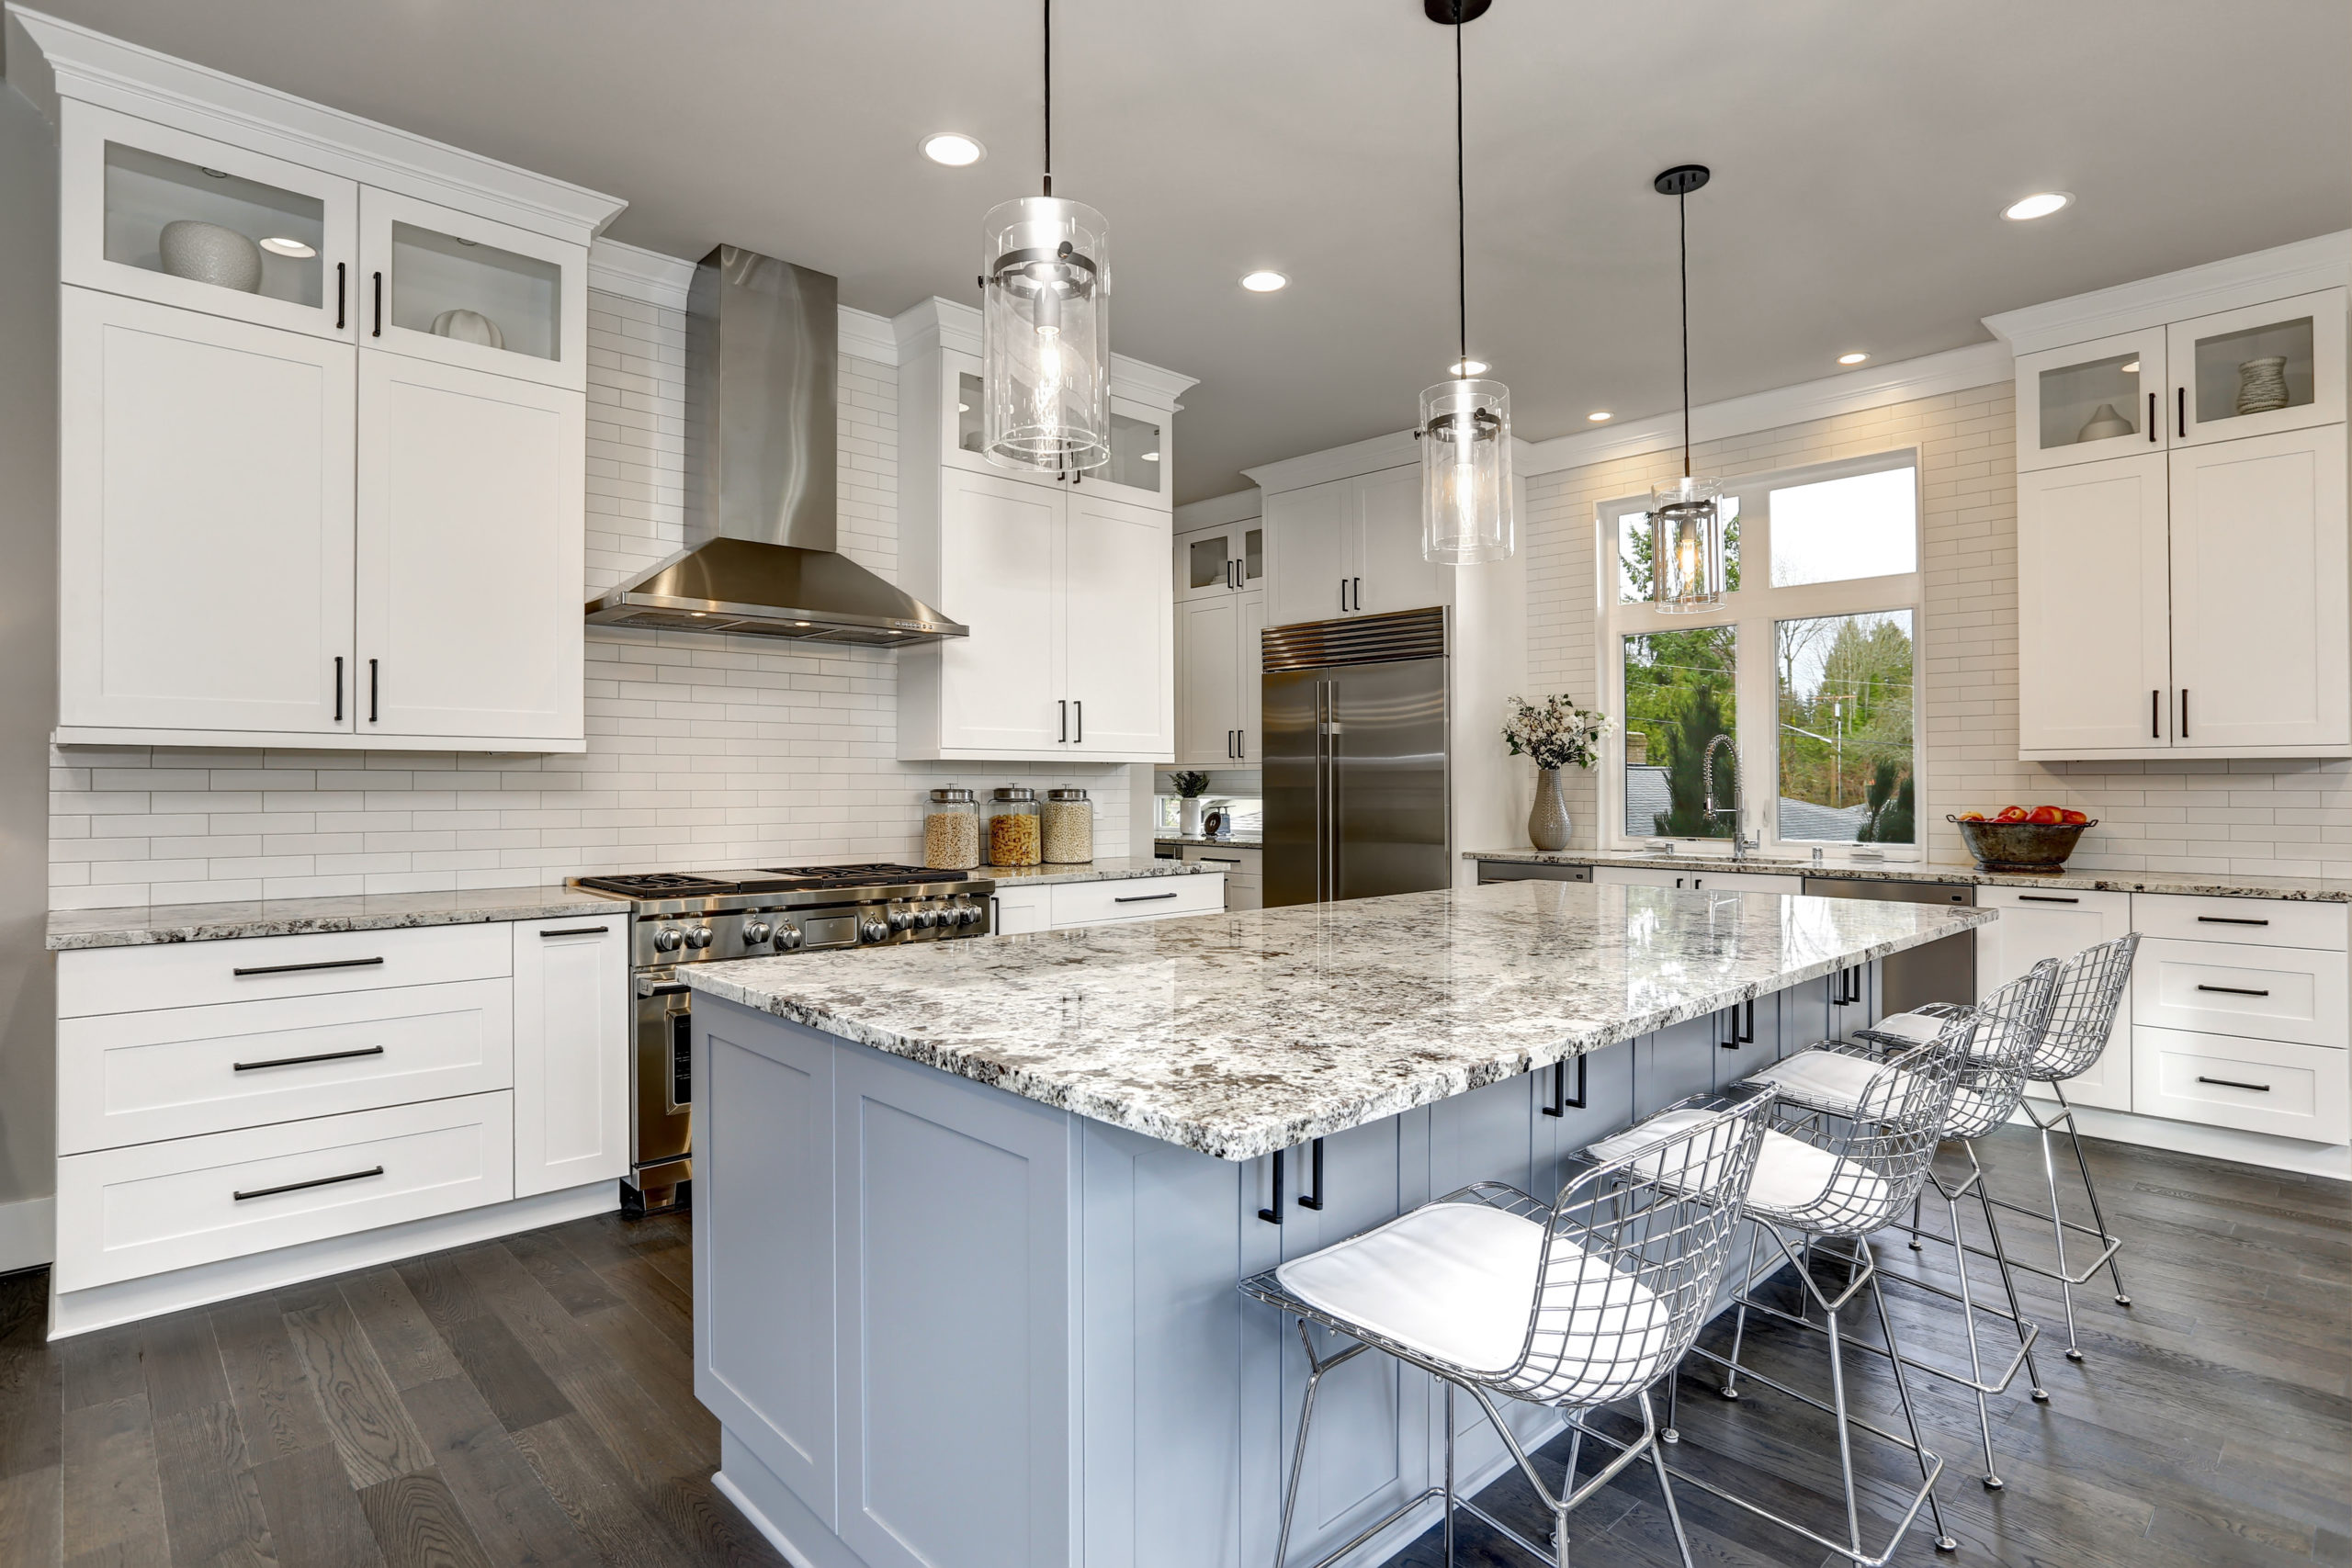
(700,916)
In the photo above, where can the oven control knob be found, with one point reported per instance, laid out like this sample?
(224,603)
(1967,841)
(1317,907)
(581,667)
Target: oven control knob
(871,929)
(787,940)
(699,938)
(669,939)
(927,918)
(902,918)
(968,914)
(756,932)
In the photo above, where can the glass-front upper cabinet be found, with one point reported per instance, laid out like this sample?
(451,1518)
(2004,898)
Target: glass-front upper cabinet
(2090,400)
(439,284)
(1210,562)
(1139,449)
(160,214)
(2258,369)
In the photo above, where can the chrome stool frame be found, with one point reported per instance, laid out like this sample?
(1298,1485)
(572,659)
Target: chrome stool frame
(1633,1253)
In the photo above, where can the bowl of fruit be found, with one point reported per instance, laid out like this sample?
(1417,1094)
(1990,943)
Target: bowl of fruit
(2022,838)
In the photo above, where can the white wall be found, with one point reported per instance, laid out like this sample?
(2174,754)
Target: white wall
(703,753)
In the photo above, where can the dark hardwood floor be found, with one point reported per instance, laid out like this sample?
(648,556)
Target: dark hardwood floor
(530,1401)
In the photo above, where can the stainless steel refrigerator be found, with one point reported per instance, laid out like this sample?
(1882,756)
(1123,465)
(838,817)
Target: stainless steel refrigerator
(1354,759)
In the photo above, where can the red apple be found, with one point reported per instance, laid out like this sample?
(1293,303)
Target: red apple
(2011,814)
(1972,817)
(2074,817)
(2047,816)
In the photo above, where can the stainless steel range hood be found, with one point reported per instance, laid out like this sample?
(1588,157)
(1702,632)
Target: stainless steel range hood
(761,344)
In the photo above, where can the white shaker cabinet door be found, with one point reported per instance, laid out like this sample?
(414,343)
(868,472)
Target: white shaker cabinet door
(998,692)
(1391,574)
(1249,748)
(205,521)
(1208,673)
(471,518)
(1118,648)
(2094,666)
(571,1051)
(1306,533)
(2058,923)
(2259,596)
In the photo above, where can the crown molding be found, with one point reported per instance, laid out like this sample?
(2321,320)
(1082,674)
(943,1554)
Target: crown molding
(950,323)
(1391,451)
(68,60)
(864,335)
(2305,267)
(1216,510)
(652,279)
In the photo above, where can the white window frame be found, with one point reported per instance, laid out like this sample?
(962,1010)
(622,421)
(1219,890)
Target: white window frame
(1753,609)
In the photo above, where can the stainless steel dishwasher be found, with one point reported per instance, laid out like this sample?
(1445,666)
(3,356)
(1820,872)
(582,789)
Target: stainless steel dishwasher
(1941,971)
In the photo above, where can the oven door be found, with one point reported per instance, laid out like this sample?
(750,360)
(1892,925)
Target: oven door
(661,1091)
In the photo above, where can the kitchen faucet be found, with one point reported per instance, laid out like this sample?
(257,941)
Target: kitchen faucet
(1740,843)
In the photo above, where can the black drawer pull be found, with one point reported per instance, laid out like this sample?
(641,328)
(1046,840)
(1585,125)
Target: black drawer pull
(2233,1083)
(1562,1100)
(1274,1216)
(338,295)
(298,1061)
(297,968)
(578,930)
(1213,860)
(378,330)
(2234,991)
(2228,921)
(1315,1167)
(2045,898)
(1142,899)
(321,1182)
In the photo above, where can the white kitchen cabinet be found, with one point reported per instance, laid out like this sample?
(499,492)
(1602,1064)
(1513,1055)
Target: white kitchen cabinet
(1018,911)
(419,262)
(571,1051)
(1349,547)
(2036,924)
(1118,661)
(1136,898)
(2095,665)
(1213,561)
(1244,866)
(205,523)
(1218,680)
(2209,356)
(2067,395)
(471,544)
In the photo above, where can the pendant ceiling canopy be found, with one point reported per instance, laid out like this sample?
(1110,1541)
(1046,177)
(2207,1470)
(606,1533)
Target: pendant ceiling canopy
(1687,572)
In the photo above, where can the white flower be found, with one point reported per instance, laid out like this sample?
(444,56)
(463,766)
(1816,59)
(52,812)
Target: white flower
(1555,734)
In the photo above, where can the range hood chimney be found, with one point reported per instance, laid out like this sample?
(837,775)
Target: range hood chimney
(761,344)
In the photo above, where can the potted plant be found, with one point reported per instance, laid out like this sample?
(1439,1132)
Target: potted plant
(1190,787)
(1555,733)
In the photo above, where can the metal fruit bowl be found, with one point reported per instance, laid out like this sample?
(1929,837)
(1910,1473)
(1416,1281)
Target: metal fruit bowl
(2021,846)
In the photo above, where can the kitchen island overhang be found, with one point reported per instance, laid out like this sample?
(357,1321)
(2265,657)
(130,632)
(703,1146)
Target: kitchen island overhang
(970,1218)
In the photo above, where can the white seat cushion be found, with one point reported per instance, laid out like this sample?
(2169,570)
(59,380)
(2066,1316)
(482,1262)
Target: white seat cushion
(1916,1027)
(1829,1080)
(1795,1183)
(1457,1282)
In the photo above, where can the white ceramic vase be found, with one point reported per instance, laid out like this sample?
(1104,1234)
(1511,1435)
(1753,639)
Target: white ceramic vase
(210,253)
(1190,810)
(2104,423)
(468,326)
(2262,385)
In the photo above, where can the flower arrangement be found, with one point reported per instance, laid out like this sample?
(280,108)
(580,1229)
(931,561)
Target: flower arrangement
(1190,785)
(1555,732)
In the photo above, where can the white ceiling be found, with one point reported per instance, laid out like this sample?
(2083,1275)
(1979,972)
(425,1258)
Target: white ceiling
(1862,153)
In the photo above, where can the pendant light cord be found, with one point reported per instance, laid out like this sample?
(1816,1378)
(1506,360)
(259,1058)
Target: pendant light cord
(1461,206)
(1048,7)
(1683,223)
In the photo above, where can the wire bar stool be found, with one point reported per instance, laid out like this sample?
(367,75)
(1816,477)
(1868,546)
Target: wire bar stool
(1825,1176)
(1578,1305)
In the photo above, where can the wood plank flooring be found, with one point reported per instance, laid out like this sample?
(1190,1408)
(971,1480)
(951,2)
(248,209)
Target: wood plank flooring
(530,1401)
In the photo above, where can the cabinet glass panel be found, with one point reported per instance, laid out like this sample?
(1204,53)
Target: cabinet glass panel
(968,413)
(474,293)
(2253,370)
(1205,562)
(1253,554)
(2095,400)
(1134,453)
(272,240)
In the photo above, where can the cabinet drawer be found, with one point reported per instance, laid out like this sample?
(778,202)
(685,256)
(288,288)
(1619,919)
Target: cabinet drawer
(135,1078)
(2259,1085)
(1235,860)
(197,974)
(1136,898)
(1020,910)
(122,1213)
(2266,993)
(2262,922)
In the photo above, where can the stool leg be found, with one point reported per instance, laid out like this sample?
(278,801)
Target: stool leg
(1917,1199)
(2008,1282)
(1944,1541)
(1665,1486)
(2090,1190)
(1298,1452)
(1845,1439)
(1730,1389)
(1968,1323)
(2058,1234)
(1449,1475)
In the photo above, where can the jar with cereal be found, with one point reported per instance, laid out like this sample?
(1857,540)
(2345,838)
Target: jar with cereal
(951,831)
(1070,828)
(1015,837)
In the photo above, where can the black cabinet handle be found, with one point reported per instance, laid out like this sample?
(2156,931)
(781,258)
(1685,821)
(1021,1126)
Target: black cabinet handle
(2234,991)
(1274,1216)
(2233,1083)
(2152,416)
(338,295)
(298,1061)
(2184,713)
(2229,920)
(1562,1100)
(1315,1167)
(1359,582)
(1742,1033)
(2155,709)
(578,930)
(1064,737)
(1343,595)
(2181,427)
(299,1186)
(338,688)
(372,691)
(1142,899)
(2046,898)
(297,968)
(1080,706)
(378,329)
(1219,859)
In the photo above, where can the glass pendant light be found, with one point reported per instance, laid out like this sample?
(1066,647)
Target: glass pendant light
(1466,424)
(1686,517)
(1046,325)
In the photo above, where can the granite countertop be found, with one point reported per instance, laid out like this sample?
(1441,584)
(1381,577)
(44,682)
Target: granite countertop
(1240,1034)
(2212,884)
(1230,840)
(1111,868)
(73,929)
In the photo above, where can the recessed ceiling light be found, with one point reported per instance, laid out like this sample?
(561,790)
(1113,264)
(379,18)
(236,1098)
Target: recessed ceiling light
(1854,358)
(953,148)
(1468,367)
(2040,204)
(1601,416)
(279,245)
(1264,282)
(1152,457)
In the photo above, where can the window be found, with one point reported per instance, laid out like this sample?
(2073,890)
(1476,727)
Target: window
(1827,615)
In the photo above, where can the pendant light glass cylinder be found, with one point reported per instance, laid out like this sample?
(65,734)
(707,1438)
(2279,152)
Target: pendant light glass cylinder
(1466,514)
(1045,338)
(1687,545)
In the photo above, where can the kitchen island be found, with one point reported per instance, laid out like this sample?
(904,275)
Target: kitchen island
(970,1216)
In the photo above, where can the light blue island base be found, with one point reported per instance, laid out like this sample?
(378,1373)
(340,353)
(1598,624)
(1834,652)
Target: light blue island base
(946,1326)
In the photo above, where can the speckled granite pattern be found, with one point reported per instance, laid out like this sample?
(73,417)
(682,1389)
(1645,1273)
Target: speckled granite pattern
(1115,868)
(1239,1033)
(70,929)
(2210,883)
(1230,841)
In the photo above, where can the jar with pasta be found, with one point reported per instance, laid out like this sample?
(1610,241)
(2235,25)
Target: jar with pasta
(951,831)
(1070,828)
(1015,837)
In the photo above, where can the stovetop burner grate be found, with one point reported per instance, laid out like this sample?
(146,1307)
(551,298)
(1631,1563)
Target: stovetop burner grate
(657,885)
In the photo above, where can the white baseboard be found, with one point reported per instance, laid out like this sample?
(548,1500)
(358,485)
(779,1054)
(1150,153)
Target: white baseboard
(102,1307)
(27,1233)
(2213,1143)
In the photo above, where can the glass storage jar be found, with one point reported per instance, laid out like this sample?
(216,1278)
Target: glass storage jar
(1070,828)
(1014,835)
(951,831)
